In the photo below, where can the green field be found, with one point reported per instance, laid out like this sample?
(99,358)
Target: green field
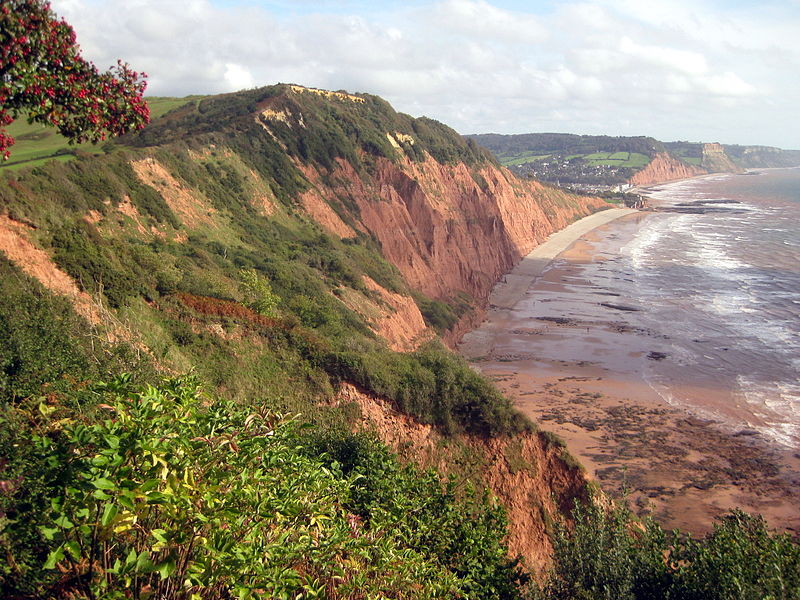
(521,159)
(617,159)
(36,143)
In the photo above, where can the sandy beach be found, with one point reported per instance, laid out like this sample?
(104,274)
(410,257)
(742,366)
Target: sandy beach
(572,355)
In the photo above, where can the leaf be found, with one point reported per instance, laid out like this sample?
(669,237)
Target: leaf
(109,512)
(63,521)
(160,535)
(166,569)
(48,532)
(74,549)
(104,484)
(100,460)
(149,485)
(101,495)
(46,411)
(132,556)
(128,500)
(54,557)
(143,563)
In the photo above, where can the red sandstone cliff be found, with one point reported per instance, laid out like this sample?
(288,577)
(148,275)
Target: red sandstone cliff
(665,168)
(448,229)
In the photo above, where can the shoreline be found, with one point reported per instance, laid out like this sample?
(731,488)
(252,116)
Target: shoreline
(573,362)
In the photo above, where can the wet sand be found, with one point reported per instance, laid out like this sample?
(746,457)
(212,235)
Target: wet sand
(572,357)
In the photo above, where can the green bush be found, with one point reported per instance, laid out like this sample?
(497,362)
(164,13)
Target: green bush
(433,384)
(461,531)
(81,252)
(163,492)
(608,554)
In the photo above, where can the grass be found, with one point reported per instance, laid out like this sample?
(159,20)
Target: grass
(523,158)
(617,159)
(37,143)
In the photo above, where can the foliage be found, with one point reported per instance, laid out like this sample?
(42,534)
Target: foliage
(37,343)
(443,315)
(44,75)
(45,348)
(740,559)
(608,554)
(163,492)
(434,385)
(258,293)
(90,261)
(451,524)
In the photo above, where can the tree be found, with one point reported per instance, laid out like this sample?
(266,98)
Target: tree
(43,75)
(258,292)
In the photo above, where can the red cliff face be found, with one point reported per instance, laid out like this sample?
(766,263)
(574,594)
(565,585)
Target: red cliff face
(448,229)
(665,168)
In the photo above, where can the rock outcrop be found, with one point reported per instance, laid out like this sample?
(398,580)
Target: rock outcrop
(665,167)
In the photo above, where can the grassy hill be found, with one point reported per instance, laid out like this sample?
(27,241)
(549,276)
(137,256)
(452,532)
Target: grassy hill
(185,250)
(36,143)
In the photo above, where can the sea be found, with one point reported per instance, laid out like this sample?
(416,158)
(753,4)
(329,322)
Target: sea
(718,270)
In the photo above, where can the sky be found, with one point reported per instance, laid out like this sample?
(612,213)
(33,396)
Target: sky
(697,70)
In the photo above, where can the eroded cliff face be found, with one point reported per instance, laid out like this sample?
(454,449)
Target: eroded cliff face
(716,160)
(527,472)
(665,168)
(447,229)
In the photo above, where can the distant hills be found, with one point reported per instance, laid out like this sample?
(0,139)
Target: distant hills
(601,160)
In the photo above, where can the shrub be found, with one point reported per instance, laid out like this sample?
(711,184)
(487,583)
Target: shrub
(608,554)
(166,493)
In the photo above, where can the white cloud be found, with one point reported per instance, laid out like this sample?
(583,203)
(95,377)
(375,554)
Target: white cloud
(237,77)
(482,19)
(671,58)
(668,68)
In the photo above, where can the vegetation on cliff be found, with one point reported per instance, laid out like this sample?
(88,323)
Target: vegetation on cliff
(609,554)
(168,493)
(195,255)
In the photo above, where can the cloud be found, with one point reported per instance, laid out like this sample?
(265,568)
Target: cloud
(487,22)
(675,69)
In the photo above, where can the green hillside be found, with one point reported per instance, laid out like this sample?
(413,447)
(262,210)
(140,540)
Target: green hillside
(561,157)
(36,143)
(250,306)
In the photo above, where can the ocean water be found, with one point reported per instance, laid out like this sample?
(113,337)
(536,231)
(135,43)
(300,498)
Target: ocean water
(720,282)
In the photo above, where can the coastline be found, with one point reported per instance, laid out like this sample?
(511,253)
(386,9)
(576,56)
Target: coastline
(577,370)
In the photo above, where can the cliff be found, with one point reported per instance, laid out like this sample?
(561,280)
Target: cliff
(665,167)
(715,160)
(363,232)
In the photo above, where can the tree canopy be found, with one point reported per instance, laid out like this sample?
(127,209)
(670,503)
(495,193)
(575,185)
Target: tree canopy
(44,76)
